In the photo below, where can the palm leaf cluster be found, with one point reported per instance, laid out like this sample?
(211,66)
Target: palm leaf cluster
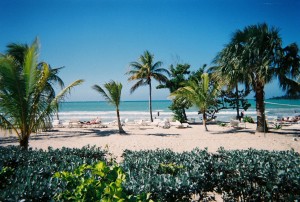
(27,97)
(113,96)
(254,57)
(144,71)
(200,92)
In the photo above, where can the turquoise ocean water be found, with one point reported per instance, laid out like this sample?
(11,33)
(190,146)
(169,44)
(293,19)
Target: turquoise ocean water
(135,110)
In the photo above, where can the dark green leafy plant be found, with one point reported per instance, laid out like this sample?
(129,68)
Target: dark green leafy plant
(31,178)
(98,182)
(248,119)
(258,175)
(167,175)
(277,126)
(222,124)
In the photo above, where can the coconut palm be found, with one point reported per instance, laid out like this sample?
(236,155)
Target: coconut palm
(113,96)
(27,99)
(144,72)
(257,53)
(200,92)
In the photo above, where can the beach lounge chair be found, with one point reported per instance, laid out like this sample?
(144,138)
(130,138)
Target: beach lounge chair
(56,124)
(156,122)
(176,123)
(234,123)
(75,124)
(66,124)
(164,124)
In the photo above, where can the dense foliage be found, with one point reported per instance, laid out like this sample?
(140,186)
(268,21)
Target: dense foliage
(97,182)
(258,175)
(28,174)
(246,175)
(167,175)
(239,175)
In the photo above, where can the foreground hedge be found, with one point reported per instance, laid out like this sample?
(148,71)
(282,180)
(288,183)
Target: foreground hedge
(239,175)
(28,174)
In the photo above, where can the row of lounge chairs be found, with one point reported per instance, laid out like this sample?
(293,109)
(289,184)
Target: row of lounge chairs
(98,124)
(159,123)
(77,124)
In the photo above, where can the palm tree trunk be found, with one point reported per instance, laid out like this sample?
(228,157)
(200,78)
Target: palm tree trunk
(237,102)
(204,121)
(24,141)
(184,114)
(150,101)
(119,122)
(260,108)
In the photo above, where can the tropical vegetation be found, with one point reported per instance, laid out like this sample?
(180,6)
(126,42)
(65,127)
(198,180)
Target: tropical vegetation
(254,57)
(113,96)
(158,175)
(178,77)
(200,92)
(27,98)
(144,71)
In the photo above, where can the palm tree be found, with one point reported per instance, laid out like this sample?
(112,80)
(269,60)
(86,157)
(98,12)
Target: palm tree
(257,53)
(200,92)
(144,72)
(113,96)
(176,81)
(27,99)
(230,73)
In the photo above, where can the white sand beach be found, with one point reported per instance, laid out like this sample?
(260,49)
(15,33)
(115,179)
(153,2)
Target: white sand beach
(152,137)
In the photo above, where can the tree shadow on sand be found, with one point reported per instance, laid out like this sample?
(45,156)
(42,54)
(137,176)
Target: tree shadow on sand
(287,131)
(56,134)
(8,140)
(234,130)
(162,134)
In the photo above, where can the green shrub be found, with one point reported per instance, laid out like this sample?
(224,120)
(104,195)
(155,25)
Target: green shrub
(98,182)
(239,175)
(277,126)
(258,175)
(222,124)
(248,119)
(31,179)
(167,175)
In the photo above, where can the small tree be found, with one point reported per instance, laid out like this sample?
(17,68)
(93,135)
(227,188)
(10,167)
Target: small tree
(176,81)
(27,98)
(200,92)
(113,96)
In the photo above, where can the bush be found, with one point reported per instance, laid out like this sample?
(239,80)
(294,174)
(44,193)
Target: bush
(167,175)
(248,119)
(239,175)
(32,170)
(94,183)
(258,175)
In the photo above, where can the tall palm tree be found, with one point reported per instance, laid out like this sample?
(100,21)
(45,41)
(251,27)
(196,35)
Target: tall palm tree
(200,92)
(113,96)
(257,53)
(27,99)
(144,72)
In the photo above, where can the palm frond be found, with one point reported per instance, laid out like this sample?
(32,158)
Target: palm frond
(137,85)
(61,95)
(30,64)
(102,92)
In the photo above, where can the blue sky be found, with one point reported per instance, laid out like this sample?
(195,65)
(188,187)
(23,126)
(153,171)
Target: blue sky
(96,40)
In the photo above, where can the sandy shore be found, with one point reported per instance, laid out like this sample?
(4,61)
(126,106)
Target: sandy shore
(151,137)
